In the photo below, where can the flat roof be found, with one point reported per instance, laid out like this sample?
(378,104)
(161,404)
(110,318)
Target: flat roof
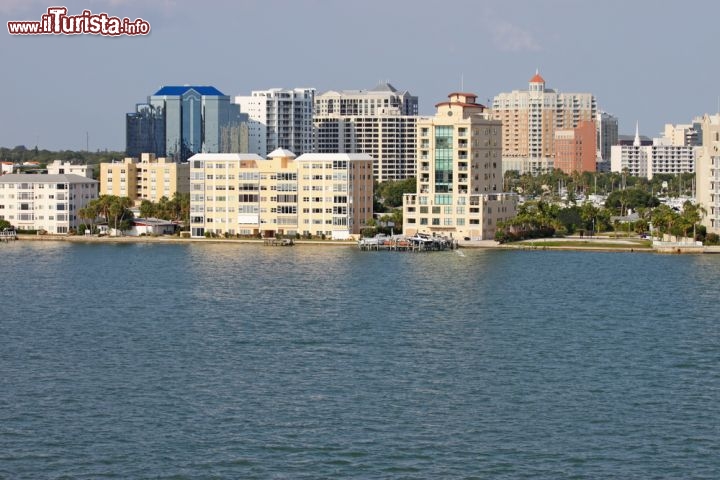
(309,157)
(46,178)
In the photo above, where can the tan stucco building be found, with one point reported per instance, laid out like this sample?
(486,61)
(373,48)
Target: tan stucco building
(707,172)
(530,119)
(148,178)
(459,186)
(245,194)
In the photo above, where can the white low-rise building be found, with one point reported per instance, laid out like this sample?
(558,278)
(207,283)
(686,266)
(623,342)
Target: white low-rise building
(58,167)
(45,202)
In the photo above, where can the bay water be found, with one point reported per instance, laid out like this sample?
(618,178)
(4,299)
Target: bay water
(216,360)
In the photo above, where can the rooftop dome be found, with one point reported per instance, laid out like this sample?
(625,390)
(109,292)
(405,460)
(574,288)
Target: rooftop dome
(537,78)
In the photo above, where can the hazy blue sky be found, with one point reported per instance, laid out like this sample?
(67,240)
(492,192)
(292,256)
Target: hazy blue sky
(651,61)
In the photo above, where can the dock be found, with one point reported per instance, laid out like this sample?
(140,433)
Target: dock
(278,242)
(399,243)
(8,235)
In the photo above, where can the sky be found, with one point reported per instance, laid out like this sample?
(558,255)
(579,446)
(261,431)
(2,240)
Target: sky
(646,61)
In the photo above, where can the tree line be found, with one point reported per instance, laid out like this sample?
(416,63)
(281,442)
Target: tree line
(21,154)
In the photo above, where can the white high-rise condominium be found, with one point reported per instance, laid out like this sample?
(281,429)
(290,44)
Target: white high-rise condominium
(381,122)
(279,118)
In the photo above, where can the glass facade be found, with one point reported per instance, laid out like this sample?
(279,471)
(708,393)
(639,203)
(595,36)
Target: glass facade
(145,131)
(443,159)
(178,122)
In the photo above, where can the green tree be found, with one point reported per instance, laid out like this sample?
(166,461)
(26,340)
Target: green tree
(390,194)
(690,217)
(147,209)
(90,213)
(119,213)
(663,218)
(633,198)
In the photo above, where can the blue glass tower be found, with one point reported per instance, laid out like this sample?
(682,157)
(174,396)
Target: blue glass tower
(179,121)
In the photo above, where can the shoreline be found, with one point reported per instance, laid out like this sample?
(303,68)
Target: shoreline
(622,246)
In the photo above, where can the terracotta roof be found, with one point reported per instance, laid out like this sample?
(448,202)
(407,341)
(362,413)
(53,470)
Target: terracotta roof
(477,105)
(537,79)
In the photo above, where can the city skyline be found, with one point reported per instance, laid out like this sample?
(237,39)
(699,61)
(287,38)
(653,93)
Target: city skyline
(645,63)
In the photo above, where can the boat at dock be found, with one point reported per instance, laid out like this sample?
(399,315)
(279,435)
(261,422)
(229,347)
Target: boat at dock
(401,243)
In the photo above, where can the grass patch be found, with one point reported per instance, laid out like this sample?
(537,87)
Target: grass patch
(589,244)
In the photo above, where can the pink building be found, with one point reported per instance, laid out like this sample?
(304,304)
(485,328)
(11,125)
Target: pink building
(576,149)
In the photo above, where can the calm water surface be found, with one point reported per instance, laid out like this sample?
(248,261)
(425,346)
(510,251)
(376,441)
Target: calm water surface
(243,361)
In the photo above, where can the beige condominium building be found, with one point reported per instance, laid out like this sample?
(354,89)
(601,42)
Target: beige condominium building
(44,201)
(530,119)
(707,172)
(148,178)
(245,194)
(459,186)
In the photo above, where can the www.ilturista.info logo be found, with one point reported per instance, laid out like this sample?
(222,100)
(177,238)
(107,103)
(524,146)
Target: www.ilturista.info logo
(57,22)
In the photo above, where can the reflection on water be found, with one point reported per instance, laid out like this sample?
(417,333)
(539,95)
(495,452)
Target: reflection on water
(244,361)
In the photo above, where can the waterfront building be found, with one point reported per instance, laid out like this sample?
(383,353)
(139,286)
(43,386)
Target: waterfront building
(148,178)
(279,118)
(530,119)
(6,167)
(178,121)
(460,179)
(607,136)
(707,173)
(381,122)
(47,202)
(575,149)
(58,167)
(313,194)
(660,157)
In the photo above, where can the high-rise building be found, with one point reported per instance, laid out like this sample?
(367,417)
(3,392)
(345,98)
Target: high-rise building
(460,179)
(316,193)
(683,134)
(607,136)
(530,119)
(279,118)
(575,149)
(358,103)
(380,122)
(178,121)
(145,130)
(45,202)
(707,173)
